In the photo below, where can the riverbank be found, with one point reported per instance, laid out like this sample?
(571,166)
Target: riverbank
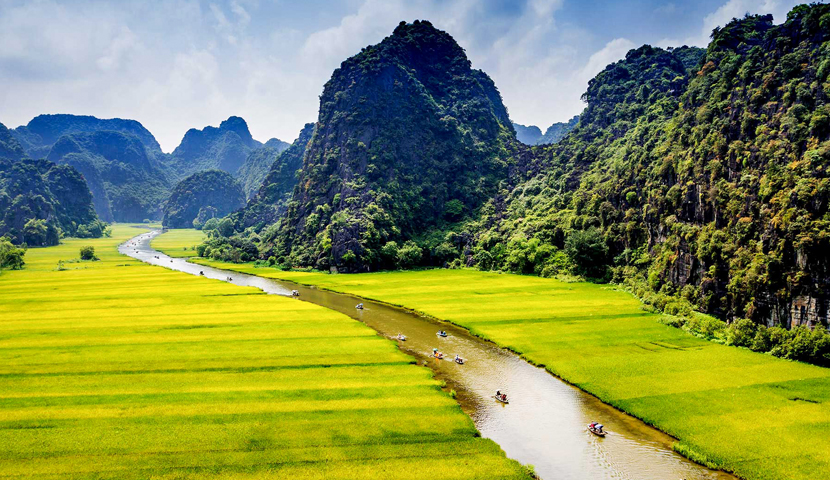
(755,415)
(117,369)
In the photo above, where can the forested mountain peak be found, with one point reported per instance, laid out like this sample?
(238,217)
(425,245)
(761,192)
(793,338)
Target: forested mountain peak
(202,196)
(43,131)
(224,148)
(10,148)
(409,136)
(527,134)
(271,198)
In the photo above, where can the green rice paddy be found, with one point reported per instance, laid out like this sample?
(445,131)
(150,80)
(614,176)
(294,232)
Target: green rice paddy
(756,415)
(119,370)
(179,242)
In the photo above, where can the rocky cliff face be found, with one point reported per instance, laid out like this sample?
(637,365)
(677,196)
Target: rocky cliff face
(224,148)
(271,200)
(40,200)
(202,196)
(258,164)
(408,136)
(127,182)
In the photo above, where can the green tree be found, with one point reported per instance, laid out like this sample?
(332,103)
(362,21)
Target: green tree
(35,232)
(409,255)
(389,252)
(87,252)
(11,256)
(453,210)
(225,227)
(210,224)
(588,251)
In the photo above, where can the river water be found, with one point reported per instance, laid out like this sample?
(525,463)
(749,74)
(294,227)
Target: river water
(545,422)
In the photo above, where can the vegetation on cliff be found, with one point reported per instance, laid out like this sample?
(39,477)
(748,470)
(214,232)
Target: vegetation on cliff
(274,193)
(127,181)
(40,202)
(202,196)
(252,173)
(10,148)
(695,177)
(708,189)
(409,137)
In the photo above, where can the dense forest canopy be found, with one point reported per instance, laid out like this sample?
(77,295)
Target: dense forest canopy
(202,196)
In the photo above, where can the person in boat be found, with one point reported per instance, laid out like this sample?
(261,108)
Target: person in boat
(599,428)
(457,358)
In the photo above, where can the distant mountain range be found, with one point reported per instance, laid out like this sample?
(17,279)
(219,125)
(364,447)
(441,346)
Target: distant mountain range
(129,176)
(532,135)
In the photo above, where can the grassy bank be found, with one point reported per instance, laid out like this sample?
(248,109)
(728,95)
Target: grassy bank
(756,415)
(179,242)
(117,369)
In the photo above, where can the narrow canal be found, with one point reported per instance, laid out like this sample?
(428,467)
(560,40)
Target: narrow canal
(545,422)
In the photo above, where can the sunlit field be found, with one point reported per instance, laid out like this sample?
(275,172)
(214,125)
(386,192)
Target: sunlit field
(179,242)
(754,414)
(119,370)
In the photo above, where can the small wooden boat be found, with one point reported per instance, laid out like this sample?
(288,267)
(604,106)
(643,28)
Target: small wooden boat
(201,272)
(401,337)
(359,306)
(442,333)
(459,360)
(501,398)
(295,293)
(597,432)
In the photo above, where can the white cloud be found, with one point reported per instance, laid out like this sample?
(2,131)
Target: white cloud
(610,53)
(179,64)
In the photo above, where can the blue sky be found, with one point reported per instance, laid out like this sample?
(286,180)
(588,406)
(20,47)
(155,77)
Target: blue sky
(177,64)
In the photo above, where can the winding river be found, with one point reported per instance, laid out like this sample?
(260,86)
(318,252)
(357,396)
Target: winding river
(545,423)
